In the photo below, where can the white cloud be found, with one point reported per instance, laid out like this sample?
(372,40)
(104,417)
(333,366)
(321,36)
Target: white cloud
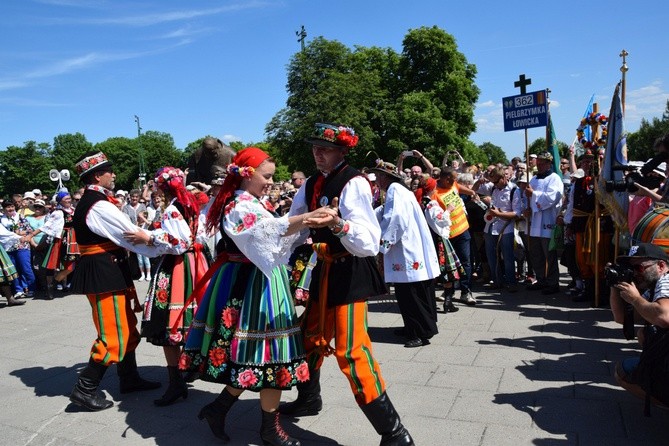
(646,102)
(486,104)
(26,102)
(229,138)
(173,16)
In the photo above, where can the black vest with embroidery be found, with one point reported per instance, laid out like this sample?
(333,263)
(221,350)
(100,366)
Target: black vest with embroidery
(351,279)
(584,200)
(98,273)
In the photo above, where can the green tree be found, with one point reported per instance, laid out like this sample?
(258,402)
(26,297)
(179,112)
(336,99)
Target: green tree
(25,168)
(393,101)
(67,148)
(640,143)
(494,154)
(158,150)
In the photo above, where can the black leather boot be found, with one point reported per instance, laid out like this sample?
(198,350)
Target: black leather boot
(176,389)
(386,422)
(272,433)
(449,306)
(215,413)
(130,381)
(308,402)
(85,392)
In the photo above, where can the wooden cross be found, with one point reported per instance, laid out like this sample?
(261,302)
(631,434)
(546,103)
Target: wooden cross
(522,83)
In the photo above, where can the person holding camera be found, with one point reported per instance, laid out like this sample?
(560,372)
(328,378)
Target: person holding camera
(641,280)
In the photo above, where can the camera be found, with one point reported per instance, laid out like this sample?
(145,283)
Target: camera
(638,175)
(616,273)
(287,195)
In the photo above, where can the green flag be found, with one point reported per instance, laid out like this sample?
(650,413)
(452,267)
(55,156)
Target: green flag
(553,147)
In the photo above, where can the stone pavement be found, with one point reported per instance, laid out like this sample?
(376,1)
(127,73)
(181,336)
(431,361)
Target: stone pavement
(517,369)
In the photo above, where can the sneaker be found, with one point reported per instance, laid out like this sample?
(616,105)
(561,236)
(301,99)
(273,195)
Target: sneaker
(141,279)
(19,295)
(29,294)
(529,280)
(59,287)
(468,298)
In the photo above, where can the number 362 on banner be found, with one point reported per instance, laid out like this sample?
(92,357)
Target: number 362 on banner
(525,111)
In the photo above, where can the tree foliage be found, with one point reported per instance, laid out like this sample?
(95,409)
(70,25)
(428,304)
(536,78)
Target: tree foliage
(494,154)
(640,143)
(421,99)
(25,168)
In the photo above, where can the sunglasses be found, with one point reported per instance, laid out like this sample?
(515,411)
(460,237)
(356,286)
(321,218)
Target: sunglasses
(640,267)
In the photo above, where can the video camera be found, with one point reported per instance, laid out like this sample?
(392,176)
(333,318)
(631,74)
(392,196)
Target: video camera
(617,273)
(638,175)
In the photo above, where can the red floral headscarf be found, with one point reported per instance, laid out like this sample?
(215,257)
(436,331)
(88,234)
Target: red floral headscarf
(171,180)
(243,165)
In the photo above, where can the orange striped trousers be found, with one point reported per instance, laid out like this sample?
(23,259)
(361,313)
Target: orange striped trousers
(116,325)
(347,324)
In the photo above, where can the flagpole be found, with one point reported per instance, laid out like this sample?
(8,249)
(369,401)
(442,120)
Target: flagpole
(624,70)
(595,129)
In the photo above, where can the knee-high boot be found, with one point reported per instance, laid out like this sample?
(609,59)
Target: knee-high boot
(215,413)
(129,378)
(308,400)
(272,433)
(85,392)
(176,389)
(386,422)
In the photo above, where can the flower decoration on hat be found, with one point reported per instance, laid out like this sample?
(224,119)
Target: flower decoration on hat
(385,166)
(337,134)
(91,163)
(593,119)
(244,172)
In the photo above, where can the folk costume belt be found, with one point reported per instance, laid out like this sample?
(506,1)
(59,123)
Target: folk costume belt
(89,250)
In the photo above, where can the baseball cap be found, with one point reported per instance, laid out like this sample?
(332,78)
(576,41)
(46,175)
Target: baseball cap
(37,192)
(29,195)
(644,251)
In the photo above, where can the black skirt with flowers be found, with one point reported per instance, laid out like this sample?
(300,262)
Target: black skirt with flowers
(170,288)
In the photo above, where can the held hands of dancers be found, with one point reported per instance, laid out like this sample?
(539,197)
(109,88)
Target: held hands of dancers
(323,216)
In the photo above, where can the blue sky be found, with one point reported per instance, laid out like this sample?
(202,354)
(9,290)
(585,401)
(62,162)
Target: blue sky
(196,68)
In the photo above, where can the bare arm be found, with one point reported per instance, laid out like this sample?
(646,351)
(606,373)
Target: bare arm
(426,162)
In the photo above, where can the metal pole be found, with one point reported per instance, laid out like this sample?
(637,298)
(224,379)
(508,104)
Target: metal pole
(142,173)
(624,70)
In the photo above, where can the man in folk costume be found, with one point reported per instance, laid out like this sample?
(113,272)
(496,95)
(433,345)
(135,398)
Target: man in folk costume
(104,276)
(580,220)
(409,257)
(344,278)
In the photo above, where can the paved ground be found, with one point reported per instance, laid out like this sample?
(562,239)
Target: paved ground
(517,369)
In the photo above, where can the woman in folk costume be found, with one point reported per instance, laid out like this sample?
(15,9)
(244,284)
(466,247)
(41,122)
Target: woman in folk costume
(7,269)
(167,313)
(439,222)
(246,333)
(63,252)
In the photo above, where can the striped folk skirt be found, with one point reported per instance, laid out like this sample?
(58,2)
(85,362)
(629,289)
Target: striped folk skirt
(246,333)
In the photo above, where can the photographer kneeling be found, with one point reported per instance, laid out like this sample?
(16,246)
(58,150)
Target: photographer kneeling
(645,269)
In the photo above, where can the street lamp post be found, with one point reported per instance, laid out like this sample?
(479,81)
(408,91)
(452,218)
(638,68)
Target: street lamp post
(142,170)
